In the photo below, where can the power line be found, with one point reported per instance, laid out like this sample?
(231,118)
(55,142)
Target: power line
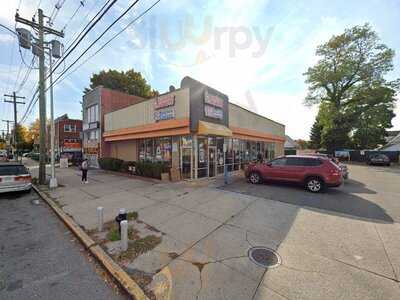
(87,31)
(81,4)
(98,38)
(109,41)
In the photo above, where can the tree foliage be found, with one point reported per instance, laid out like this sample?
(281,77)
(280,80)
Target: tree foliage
(315,135)
(129,82)
(356,102)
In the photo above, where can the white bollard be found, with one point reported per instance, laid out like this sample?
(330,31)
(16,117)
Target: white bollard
(124,235)
(100,218)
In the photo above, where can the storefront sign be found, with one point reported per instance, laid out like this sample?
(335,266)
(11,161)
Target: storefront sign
(165,114)
(93,125)
(164,101)
(213,100)
(90,150)
(213,112)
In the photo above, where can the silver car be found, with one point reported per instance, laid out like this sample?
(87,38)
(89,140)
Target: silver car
(14,177)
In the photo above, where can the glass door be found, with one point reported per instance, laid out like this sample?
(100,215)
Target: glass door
(212,166)
(186,163)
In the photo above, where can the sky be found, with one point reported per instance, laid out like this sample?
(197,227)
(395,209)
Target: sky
(255,51)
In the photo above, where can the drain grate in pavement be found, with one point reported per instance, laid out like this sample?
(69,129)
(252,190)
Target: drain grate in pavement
(264,257)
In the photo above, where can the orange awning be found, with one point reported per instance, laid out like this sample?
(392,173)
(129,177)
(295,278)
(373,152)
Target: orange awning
(207,128)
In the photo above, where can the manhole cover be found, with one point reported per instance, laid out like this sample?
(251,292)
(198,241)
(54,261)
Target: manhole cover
(264,257)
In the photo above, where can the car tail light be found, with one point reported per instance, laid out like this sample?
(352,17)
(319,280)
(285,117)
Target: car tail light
(23,178)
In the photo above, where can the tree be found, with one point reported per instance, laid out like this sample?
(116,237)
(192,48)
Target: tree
(315,135)
(129,82)
(303,144)
(349,74)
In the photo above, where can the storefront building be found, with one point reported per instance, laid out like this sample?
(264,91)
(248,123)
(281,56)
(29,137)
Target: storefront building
(194,129)
(95,104)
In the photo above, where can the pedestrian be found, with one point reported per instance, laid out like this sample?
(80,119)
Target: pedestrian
(84,168)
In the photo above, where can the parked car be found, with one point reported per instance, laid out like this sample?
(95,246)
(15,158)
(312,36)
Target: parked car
(3,156)
(14,177)
(378,159)
(315,173)
(343,167)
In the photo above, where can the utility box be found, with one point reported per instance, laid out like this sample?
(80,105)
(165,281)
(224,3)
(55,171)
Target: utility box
(56,49)
(36,49)
(24,38)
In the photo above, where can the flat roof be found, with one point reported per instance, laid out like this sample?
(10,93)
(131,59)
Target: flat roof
(252,112)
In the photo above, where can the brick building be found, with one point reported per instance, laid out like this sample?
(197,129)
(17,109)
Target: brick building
(95,105)
(68,137)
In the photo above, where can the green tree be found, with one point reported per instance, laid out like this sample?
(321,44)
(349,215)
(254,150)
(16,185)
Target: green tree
(129,82)
(315,135)
(351,68)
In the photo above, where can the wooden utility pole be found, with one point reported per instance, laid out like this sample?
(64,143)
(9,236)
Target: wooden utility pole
(40,43)
(15,102)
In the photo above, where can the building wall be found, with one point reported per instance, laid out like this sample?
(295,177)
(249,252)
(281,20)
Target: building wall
(125,150)
(240,117)
(143,112)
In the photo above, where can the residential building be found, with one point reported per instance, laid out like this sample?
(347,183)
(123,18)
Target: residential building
(393,144)
(194,129)
(67,137)
(290,146)
(96,103)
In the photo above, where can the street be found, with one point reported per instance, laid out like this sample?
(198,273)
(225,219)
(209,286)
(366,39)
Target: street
(41,259)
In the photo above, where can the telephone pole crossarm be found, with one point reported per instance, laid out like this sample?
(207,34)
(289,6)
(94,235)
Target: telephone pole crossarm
(37,26)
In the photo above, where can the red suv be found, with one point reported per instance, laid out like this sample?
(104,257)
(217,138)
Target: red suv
(315,173)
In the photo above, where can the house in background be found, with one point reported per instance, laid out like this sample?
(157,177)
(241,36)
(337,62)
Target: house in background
(67,137)
(290,146)
(393,143)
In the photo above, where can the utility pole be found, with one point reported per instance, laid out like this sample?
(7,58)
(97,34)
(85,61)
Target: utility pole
(15,102)
(8,126)
(41,29)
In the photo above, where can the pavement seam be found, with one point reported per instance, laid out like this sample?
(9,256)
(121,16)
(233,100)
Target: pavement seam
(386,253)
(362,269)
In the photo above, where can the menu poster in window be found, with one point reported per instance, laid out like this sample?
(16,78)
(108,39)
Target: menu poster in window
(202,153)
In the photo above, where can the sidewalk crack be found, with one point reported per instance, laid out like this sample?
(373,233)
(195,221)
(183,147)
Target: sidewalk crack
(386,253)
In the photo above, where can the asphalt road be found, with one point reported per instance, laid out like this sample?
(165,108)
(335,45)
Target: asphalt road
(371,193)
(41,259)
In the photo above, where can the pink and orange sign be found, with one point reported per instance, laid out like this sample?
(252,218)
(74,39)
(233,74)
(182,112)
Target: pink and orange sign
(164,101)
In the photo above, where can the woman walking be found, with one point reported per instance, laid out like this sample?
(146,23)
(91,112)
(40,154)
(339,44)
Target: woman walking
(84,168)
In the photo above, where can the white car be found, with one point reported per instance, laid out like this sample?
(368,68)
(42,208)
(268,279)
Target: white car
(14,177)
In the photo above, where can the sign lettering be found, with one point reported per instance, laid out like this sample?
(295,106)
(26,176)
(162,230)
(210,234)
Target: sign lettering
(213,112)
(164,101)
(213,100)
(165,114)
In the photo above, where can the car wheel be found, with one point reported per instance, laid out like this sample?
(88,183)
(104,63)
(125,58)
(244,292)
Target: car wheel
(254,178)
(314,184)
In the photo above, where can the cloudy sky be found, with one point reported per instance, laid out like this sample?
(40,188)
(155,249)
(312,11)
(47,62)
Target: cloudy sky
(255,51)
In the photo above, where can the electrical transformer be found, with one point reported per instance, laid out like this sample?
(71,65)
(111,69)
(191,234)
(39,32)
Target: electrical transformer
(24,38)
(56,48)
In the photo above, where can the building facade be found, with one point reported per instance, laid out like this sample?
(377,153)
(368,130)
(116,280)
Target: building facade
(95,105)
(67,137)
(194,129)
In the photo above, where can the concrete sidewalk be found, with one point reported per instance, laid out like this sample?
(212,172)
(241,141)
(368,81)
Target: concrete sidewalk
(207,233)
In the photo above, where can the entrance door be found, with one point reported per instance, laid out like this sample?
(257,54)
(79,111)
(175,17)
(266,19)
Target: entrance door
(212,161)
(186,163)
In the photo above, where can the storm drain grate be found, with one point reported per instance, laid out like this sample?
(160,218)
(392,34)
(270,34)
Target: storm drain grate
(264,257)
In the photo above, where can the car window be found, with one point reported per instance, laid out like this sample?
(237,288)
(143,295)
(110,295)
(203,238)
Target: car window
(278,162)
(12,170)
(296,161)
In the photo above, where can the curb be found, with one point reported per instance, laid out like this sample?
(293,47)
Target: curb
(128,284)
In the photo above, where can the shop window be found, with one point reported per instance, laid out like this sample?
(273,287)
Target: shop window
(186,141)
(142,150)
(220,155)
(163,149)
(236,154)
(149,154)
(229,154)
(202,166)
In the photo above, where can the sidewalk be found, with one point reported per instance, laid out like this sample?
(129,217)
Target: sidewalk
(204,234)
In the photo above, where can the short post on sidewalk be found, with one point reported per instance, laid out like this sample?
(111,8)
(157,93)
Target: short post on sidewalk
(100,218)
(124,235)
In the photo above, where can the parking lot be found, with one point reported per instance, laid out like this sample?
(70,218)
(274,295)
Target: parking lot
(371,193)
